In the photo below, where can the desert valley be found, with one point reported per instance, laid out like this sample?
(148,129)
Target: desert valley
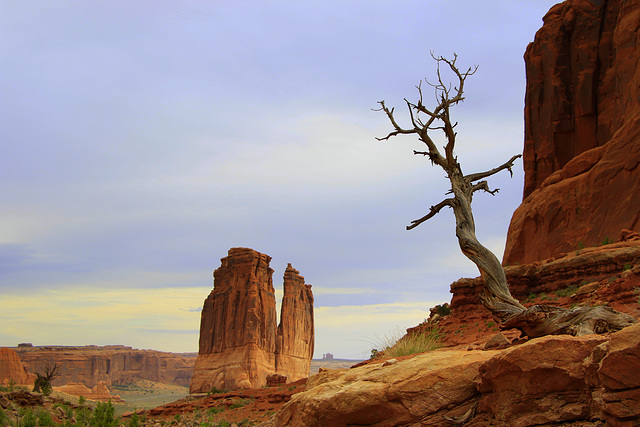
(573,244)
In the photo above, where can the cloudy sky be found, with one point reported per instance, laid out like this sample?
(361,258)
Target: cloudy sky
(140,140)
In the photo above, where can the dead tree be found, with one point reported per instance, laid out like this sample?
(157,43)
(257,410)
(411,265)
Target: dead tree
(42,384)
(534,321)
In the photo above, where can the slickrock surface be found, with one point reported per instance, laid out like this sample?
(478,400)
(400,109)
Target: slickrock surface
(587,380)
(295,341)
(240,341)
(114,364)
(12,370)
(582,131)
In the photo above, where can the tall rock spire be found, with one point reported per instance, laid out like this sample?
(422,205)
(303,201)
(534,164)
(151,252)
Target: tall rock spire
(240,341)
(295,340)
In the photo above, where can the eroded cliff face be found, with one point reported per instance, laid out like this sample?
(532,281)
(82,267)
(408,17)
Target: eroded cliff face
(240,341)
(582,131)
(12,370)
(89,365)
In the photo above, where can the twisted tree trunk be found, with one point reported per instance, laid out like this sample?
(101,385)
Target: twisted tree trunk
(537,320)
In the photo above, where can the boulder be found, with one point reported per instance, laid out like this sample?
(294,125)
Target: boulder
(590,380)
(241,343)
(413,391)
(582,131)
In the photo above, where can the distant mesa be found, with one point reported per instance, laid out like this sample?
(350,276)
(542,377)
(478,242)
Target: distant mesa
(241,344)
(327,356)
(113,364)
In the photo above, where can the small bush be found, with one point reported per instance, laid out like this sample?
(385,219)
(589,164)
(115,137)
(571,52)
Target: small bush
(427,339)
(240,403)
(606,241)
(443,309)
(215,410)
(215,390)
(134,421)
(490,324)
(4,418)
(567,291)
(627,267)
(103,416)
(45,419)
(27,418)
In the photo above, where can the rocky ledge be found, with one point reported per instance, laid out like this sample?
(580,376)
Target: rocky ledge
(588,381)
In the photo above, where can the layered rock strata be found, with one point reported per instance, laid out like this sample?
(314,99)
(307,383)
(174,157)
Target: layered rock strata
(295,340)
(241,343)
(582,131)
(115,364)
(588,380)
(12,371)
(100,392)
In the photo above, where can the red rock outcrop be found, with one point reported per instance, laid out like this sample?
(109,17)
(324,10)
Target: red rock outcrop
(582,131)
(12,370)
(100,392)
(240,341)
(559,380)
(296,336)
(238,325)
(115,364)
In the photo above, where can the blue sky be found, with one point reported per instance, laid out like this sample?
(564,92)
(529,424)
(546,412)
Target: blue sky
(139,141)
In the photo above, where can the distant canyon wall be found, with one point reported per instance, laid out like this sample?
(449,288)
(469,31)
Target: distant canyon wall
(582,131)
(89,365)
(240,341)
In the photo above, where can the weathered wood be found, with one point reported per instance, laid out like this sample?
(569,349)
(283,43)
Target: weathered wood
(534,321)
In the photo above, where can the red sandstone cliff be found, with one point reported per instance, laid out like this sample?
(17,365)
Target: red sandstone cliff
(112,364)
(295,341)
(239,331)
(582,131)
(12,370)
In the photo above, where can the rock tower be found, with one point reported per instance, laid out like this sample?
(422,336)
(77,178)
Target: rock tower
(240,341)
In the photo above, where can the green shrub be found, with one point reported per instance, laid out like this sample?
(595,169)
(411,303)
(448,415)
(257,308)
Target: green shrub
(27,418)
(570,290)
(4,418)
(45,419)
(443,309)
(215,410)
(215,390)
(606,241)
(134,421)
(240,403)
(103,416)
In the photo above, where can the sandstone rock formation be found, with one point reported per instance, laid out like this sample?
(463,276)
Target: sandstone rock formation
(100,392)
(12,370)
(548,380)
(582,131)
(240,341)
(115,364)
(295,341)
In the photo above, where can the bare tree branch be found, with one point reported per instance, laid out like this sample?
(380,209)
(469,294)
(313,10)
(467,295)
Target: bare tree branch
(432,212)
(507,165)
(483,185)
(536,320)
